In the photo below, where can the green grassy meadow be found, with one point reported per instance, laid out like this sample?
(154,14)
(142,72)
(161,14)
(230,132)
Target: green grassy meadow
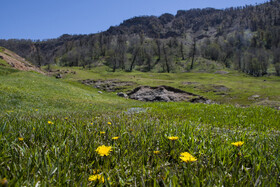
(50,130)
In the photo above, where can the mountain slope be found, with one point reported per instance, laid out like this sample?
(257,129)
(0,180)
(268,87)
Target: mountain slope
(15,61)
(243,38)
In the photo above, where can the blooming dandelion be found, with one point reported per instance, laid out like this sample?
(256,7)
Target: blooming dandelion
(109,123)
(156,152)
(173,138)
(34,128)
(102,132)
(104,150)
(187,157)
(96,177)
(50,123)
(237,144)
(115,138)
(20,139)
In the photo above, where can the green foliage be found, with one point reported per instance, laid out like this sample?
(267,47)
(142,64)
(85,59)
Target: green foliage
(60,122)
(63,153)
(2,49)
(159,44)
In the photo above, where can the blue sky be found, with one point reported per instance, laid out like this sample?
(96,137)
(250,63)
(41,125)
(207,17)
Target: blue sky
(43,19)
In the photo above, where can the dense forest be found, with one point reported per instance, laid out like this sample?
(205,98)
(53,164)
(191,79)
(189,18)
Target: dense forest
(242,38)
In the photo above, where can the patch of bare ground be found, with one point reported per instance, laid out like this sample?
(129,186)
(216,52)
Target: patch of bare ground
(165,94)
(60,73)
(17,62)
(111,85)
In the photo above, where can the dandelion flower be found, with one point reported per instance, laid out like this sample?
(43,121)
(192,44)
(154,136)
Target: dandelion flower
(156,152)
(185,154)
(109,123)
(20,139)
(187,157)
(237,144)
(102,132)
(173,138)
(115,138)
(104,150)
(66,118)
(34,128)
(50,122)
(91,123)
(98,177)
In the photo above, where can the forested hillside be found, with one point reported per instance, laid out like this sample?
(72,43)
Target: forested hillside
(242,38)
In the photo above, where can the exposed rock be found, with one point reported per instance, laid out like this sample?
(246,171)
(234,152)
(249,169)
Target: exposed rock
(58,76)
(109,85)
(121,94)
(164,93)
(100,92)
(253,97)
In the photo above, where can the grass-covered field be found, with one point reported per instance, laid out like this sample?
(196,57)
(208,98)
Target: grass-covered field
(50,130)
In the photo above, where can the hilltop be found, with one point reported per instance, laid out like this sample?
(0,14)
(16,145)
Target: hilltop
(241,38)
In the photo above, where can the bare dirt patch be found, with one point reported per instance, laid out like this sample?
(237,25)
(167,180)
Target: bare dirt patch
(60,73)
(164,93)
(17,62)
(109,85)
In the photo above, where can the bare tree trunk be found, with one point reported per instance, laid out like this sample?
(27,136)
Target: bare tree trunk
(133,60)
(38,55)
(193,52)
(166,59)
(158,48)
(182,51)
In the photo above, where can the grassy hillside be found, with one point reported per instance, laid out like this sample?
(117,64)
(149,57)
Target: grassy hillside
(230,88)
(51,128)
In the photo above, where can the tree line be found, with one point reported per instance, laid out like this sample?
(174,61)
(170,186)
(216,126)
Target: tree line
(242,38)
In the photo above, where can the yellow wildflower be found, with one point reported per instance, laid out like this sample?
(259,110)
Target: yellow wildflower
(98,177)
(91,123)
(20,139)
(115,138)
(156,152)
(109,123)
(50,123)
(34,128)
(187,157)
(237,144)
(104,150)
(36,110)
(66,118)
(185,154)
(102,132)
(172,138)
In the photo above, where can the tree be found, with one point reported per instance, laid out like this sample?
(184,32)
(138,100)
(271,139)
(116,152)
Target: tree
(193,51)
